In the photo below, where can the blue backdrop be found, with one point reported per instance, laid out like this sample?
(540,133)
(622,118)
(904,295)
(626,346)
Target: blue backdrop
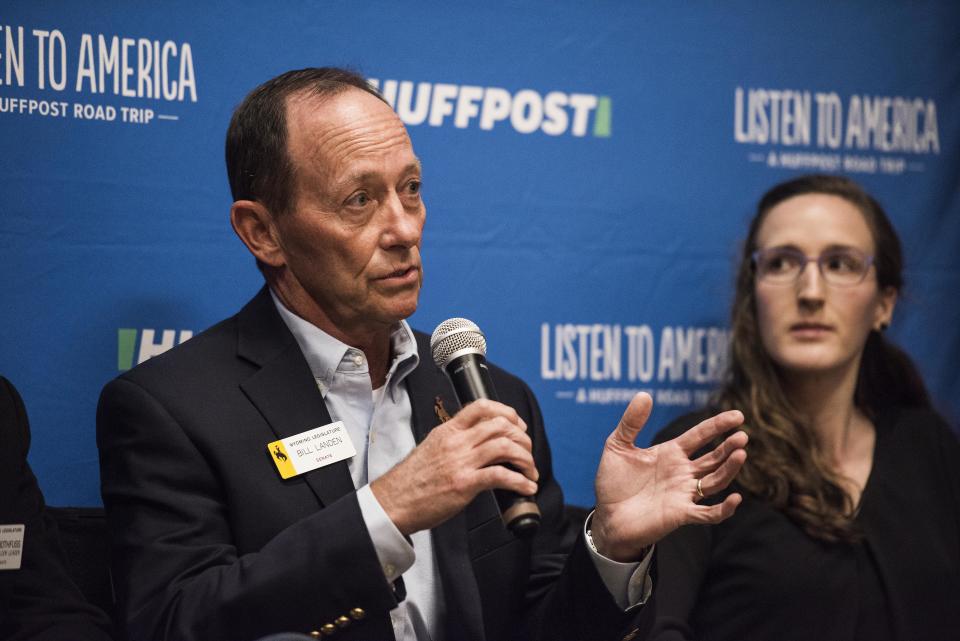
(589,172)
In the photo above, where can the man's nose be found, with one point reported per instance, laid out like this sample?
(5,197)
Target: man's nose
(403,224)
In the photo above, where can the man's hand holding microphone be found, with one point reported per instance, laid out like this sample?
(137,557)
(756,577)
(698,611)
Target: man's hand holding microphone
(642,493)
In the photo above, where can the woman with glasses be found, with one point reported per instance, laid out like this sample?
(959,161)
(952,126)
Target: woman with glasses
(850,523)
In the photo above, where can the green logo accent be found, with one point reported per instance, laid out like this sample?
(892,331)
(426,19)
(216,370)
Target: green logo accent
(602,122)
(126,342)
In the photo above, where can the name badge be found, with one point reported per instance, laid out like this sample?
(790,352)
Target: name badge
(11,546)
(311,449)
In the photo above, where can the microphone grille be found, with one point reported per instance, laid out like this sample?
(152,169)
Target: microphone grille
(456,336)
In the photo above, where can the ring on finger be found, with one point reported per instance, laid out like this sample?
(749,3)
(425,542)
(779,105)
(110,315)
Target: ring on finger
(700,488)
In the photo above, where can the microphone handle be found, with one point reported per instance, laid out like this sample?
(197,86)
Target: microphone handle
(471,381)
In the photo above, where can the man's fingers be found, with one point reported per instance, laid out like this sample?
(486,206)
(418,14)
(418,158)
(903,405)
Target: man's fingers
(712,459)
(723,475)
(713,514)
(484,409)
(502,478)
(498,427)
(505,451)
(633,420)
(702,433)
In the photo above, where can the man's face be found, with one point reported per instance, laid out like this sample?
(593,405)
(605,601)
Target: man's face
(351,240)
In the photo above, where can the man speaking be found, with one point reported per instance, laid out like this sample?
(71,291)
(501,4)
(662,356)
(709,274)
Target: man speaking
(295,467)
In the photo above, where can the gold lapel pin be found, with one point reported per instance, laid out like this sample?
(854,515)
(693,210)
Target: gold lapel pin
(442,414)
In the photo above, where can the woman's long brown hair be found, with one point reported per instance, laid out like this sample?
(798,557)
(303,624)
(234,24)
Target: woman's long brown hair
(786,467)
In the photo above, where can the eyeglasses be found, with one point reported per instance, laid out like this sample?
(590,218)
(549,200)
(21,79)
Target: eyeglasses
(842,267)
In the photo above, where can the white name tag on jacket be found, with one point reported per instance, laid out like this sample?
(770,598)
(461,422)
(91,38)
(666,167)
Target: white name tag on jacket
(311,449)
(11,546)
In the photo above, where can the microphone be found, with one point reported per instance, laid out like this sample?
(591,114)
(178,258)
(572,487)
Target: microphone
(459,348)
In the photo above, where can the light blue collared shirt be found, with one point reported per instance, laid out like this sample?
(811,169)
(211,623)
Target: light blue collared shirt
(378,423)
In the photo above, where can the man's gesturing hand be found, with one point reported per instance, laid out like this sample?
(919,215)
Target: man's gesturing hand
(457,461)
(644,494)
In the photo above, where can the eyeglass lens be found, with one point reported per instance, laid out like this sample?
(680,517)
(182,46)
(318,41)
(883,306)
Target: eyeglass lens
(843,266)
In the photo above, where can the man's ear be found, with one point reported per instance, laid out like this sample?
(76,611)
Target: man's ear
(255,226)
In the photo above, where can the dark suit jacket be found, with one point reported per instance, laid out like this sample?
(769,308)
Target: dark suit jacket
(210,544)
(39,601)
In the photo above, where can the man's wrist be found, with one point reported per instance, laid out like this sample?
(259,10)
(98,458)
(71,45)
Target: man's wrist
(394,549)
(629,583)
(597,540)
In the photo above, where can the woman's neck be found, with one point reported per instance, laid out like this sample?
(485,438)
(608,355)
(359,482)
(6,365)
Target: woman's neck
(825,402)
(845,436)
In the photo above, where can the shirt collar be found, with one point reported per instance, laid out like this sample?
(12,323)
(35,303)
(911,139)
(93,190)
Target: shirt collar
(326,355)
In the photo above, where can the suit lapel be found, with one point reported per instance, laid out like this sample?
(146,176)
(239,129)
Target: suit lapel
(284,390)
(430,390)
(285,393)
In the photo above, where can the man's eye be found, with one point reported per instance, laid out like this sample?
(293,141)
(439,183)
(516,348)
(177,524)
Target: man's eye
(358,200)
(413,187)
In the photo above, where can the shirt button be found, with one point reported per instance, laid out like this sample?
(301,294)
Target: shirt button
(357,613)
(342,621)
(389,569)
(357,360)
(315,634)
(328,628)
